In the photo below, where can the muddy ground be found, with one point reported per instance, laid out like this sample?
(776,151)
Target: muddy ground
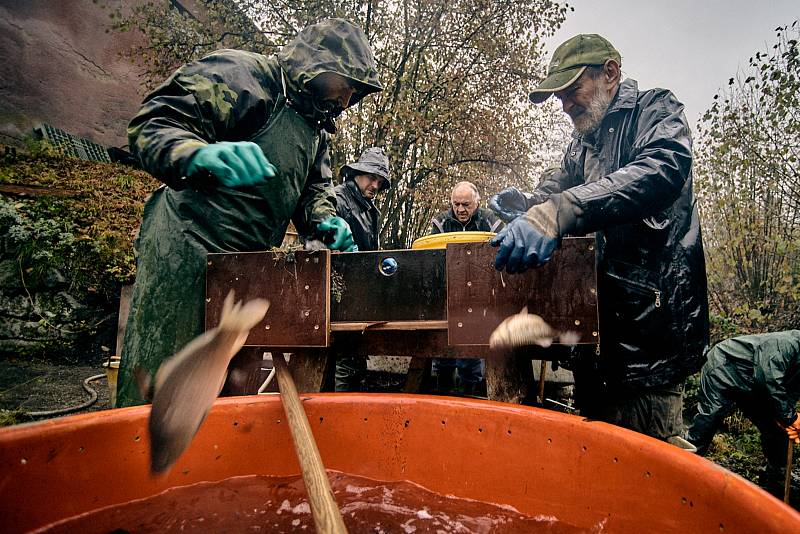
(38,385)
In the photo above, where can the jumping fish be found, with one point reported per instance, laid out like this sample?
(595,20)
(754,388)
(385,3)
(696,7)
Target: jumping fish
(187,383)
(525,328)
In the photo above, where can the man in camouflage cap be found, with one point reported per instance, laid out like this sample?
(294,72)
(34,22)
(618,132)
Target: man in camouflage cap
(240,141)
(362,181)
(627,177)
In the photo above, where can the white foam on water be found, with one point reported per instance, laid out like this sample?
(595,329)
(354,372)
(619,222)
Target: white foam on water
(424,514)
(355,489)
(302,508)
(407,527)
(285,505)
(295,522)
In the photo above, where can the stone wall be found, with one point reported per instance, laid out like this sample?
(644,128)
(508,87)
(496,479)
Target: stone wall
(47,320)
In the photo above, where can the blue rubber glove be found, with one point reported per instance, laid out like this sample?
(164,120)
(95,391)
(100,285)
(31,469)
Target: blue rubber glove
(509,204)
(336,234)
(234,164)
(528,241)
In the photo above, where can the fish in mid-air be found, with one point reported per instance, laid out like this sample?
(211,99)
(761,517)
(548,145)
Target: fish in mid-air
(187,383)
(522,329)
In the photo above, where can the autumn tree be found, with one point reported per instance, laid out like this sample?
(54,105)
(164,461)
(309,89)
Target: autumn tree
(749,184)
(456,74)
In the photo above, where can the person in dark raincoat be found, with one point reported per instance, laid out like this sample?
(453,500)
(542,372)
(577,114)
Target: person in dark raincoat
(760,375)
(626,176)
(240,141)
(362,181)
(465,215)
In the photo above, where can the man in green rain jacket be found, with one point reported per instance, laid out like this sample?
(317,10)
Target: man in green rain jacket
(760,375)
(240,141)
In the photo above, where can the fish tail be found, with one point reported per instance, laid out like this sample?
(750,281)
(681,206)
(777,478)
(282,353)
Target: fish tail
(242,317)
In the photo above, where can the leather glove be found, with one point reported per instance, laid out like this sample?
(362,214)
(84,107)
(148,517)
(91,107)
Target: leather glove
(234,164)
(336,234)
(793,430)
(528,241)
(510,203)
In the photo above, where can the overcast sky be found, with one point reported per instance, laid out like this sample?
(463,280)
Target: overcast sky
(691,47)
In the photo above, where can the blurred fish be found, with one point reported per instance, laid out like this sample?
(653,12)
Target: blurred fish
(187,383)
(526,328)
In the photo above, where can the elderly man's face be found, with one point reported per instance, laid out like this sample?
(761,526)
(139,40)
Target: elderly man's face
(332,92)
(464,202)
(586,102)
(369,184)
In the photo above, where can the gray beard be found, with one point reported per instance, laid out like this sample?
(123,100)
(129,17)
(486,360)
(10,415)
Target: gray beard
(588,121)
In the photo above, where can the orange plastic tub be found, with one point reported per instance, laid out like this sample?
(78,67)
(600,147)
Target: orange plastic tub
(541,462)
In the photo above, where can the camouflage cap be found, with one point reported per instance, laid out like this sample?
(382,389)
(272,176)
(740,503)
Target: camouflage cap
(372,161)
(570,61)
(332,45)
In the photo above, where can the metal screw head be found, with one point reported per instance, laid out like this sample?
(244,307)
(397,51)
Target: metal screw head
(388,266)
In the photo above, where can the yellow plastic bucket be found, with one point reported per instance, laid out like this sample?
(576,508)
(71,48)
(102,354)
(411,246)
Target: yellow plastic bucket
(112,370)
(441,240)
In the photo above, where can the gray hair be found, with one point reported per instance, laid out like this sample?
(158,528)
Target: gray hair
(471,186)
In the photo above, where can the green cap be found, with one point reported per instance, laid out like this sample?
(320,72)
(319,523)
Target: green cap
(570,60)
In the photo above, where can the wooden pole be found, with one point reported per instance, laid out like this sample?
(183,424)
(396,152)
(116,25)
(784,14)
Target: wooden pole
(787,484)
(325,511)
(542,375)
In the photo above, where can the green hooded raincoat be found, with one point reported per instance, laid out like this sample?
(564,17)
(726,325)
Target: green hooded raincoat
(229,95)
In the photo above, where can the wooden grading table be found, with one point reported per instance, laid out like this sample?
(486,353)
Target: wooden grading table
(420,303)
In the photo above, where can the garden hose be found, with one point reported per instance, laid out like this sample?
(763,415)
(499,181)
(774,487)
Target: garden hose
(61,411)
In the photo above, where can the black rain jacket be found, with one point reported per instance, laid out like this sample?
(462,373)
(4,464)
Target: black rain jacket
(652,294)
(360,213)
(483,220)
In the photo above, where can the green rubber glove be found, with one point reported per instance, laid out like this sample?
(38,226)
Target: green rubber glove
(336,234)
(234,164)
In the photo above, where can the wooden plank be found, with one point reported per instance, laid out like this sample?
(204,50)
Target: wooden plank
(563,291)
(125,295)
(388,325)
(296,284)
(415,292)
(419,375)
(309,368)
(422,343)
(37,190)
(509,379)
